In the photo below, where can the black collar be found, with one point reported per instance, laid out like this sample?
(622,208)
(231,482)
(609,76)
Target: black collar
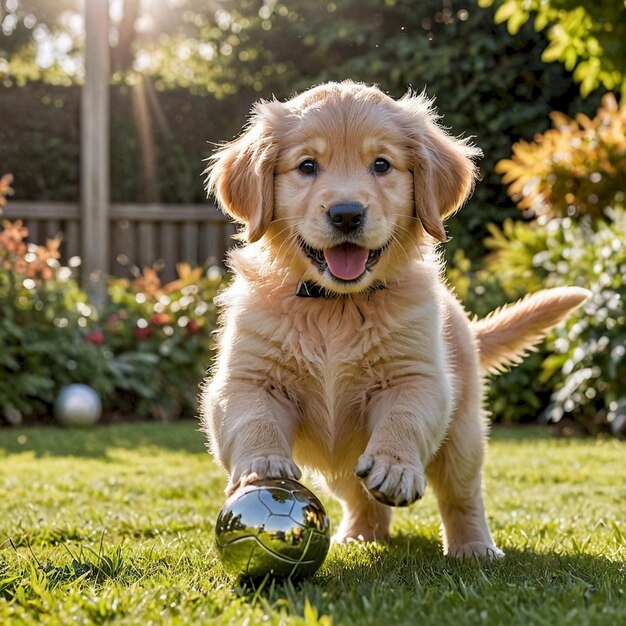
(308,289)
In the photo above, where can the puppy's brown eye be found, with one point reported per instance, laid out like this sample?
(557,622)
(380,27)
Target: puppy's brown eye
(308,166)
(380,166)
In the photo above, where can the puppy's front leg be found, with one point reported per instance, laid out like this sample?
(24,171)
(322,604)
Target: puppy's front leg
(408,421)
(251,428)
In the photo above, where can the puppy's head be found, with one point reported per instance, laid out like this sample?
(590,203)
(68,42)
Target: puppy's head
(342,183)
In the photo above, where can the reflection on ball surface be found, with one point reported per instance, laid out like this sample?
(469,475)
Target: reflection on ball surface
(78,405)
(273,526)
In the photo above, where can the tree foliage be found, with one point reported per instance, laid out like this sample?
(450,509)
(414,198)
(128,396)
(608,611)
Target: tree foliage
(205,63)
(41,40)
(587,37)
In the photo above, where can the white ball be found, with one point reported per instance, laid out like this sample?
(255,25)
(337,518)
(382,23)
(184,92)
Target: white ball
(78,405)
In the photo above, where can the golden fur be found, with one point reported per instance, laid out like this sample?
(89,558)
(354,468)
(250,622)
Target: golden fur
(378,386)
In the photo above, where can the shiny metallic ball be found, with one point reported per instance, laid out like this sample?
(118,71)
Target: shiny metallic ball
(274,526)
(78,405)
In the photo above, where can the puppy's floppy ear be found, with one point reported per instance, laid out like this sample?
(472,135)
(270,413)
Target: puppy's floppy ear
(443,165)
(241,174)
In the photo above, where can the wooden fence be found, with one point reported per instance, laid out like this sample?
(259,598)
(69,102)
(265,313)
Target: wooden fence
(140,234)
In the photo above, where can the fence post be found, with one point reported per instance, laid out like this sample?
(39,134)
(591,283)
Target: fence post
(94,151)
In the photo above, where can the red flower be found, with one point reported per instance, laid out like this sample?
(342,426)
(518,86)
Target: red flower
(193,327)
(143,333)
(160,319)
(95,337)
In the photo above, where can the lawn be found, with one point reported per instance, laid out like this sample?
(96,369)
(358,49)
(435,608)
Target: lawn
(115,526)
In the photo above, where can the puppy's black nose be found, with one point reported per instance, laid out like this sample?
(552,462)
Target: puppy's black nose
(347,217)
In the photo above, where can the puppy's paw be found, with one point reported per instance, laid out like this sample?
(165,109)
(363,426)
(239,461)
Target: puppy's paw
(272,466)
(389,480)
(478,549)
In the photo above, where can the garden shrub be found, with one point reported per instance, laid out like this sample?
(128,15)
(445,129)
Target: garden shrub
(576,168)
(572,178)
(519,395)
(585,362)
(5,189)
(159,339)
(145,354)
(43,317)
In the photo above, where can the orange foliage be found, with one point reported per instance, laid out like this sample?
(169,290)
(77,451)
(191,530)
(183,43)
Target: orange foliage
(5,189)
(578,167)
(28,260)
(149,282)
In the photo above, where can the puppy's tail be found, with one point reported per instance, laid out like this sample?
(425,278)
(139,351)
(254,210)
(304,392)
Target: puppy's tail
(508,333)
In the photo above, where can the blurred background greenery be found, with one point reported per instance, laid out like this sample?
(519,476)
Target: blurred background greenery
(539,84)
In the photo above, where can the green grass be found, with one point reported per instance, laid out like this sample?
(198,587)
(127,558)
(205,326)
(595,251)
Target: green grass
(115,526)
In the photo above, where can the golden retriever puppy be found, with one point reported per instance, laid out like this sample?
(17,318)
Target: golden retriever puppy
(341,348)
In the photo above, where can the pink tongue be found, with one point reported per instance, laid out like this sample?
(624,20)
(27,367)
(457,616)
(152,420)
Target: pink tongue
(346,261)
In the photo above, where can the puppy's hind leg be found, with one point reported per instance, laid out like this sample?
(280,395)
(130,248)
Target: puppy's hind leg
(364,518)
(456,477)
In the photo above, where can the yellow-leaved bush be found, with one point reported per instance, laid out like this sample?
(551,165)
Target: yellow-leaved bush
(576,168)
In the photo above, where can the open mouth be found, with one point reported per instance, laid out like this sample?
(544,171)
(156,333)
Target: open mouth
(345,262)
